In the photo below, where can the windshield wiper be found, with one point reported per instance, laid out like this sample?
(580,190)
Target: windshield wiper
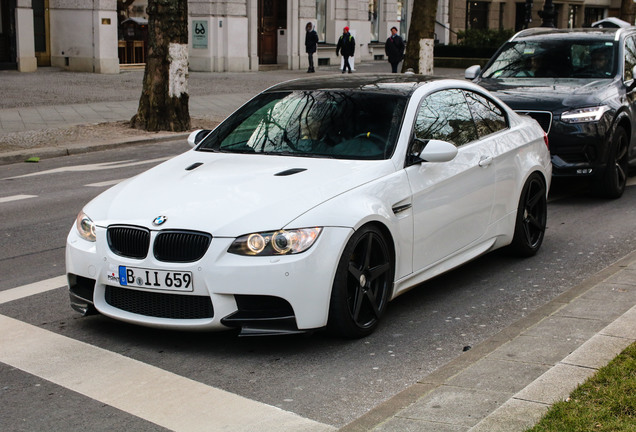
(298,154)
(282,153)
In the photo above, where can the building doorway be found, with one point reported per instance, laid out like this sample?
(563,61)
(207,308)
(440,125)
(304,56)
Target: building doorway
(41,32)
(272,16)
(7,35)
(477,15)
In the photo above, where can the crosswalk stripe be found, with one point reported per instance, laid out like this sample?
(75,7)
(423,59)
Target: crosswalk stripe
(148,392)
(32,289)
(16,198)
(93,167)
(105,183)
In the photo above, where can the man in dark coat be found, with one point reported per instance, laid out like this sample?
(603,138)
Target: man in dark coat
(394,49)
(346,46)
(311,41)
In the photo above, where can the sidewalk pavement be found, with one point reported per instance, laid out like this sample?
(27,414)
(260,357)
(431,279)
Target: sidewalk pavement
(507,382)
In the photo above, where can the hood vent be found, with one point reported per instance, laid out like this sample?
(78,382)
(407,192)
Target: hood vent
(289,172)
(194,165)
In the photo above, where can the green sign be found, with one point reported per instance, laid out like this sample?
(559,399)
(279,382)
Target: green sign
(200,34)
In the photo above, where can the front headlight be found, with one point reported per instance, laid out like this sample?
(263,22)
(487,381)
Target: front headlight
(282,242)
(584,115)
(85,227)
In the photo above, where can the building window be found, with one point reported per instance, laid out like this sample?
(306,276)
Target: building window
(321,20)
(520,16)
(402,14)
(592,15)
(573,10)
(501,15)
(477,15)
(373,19)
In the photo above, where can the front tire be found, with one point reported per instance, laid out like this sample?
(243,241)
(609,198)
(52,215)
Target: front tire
(362,285)
(615,176)
(532,215)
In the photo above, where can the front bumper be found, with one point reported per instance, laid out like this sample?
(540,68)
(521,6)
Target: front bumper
(579,150)
(257,294)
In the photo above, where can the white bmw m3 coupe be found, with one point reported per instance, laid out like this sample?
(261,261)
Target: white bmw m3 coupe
(312,206)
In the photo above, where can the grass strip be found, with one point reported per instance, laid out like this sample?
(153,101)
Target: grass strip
(603,403)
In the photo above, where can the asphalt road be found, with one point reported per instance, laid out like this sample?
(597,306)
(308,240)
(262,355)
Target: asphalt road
(318,377)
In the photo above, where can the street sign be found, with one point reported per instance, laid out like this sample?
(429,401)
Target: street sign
(200,34)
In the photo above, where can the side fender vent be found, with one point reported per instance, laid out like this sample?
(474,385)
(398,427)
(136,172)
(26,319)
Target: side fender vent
(291,171)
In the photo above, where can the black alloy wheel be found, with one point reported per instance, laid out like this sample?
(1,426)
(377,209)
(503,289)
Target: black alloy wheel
(615,176)
(532,215)
(362,285)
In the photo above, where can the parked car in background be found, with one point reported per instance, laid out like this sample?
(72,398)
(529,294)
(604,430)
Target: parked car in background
(579,85)
(312,206)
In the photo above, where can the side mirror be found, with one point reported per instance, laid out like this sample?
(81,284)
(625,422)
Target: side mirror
(197,136)
(438,151)
(472,72)
(633,84)
(431,151)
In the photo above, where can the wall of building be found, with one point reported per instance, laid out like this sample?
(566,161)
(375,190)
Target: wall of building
(228,36)
(84,35)
(25,40)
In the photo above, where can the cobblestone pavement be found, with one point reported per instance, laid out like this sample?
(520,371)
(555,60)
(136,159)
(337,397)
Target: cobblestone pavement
(53,112)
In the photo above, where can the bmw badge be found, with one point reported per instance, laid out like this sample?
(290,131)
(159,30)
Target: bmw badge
(160,220)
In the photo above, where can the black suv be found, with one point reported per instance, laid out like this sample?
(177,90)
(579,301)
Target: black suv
(579,85)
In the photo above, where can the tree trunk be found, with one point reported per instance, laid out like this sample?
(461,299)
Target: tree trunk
(627,11)
(421,37)
(164,99)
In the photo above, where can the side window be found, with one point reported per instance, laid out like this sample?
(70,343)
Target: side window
(445,116)
(630,58)
(489,117)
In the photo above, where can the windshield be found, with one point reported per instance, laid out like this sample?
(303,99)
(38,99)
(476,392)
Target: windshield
(318,123)
(564,58)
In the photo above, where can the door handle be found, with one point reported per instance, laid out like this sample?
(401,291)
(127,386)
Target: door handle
(485,161)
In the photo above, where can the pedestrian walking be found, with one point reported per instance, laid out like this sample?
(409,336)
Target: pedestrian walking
(394,49)
(311,43)
(346,46)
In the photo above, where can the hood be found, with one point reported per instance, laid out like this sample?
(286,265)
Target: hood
(228,195)
(551,94)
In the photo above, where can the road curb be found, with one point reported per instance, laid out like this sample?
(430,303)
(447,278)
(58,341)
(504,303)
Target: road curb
(52,152)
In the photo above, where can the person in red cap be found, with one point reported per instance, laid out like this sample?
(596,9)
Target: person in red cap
(346,46)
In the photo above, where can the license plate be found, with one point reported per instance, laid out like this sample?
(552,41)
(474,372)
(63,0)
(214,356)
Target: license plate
(155,279)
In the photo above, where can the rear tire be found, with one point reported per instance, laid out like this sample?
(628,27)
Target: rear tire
(532,215)
(362,285)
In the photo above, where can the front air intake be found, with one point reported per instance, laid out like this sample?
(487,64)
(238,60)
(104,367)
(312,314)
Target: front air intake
(160,305)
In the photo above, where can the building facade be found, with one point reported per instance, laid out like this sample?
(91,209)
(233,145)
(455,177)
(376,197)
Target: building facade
(245,35)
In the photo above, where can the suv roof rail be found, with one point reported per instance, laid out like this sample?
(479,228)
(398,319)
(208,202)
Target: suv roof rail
(532,31)
(541,30)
